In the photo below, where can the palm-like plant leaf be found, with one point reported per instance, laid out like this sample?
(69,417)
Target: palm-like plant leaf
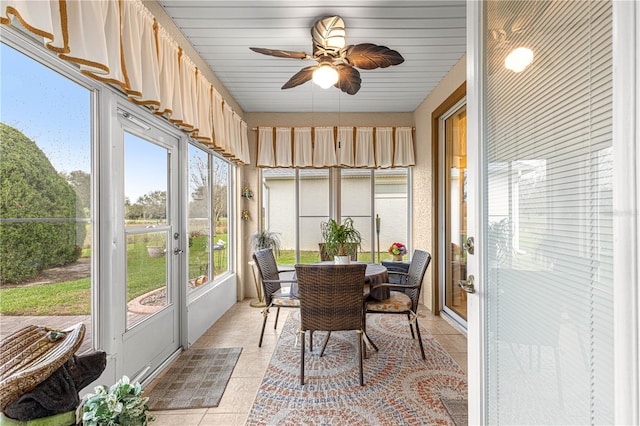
(281,53)
(302,76)
(368,56)
(348,79)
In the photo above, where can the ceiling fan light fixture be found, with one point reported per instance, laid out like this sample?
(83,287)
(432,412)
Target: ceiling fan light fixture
(325,76)
(518,59)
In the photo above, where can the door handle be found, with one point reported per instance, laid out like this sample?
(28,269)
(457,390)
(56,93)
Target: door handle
(469,245)
(177,251)
(467,285)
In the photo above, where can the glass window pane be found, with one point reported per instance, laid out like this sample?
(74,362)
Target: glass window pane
(314,209)
(391,204)
(356,196)
(145,180)
(279,214)
(199,218)
(45,203)
(145,170)
(220,233)
(146,275)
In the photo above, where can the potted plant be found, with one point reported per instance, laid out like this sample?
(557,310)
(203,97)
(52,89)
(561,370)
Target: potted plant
(121,404)
(258,241)
(265,239)
(340,239)
(397,250)
(155,246)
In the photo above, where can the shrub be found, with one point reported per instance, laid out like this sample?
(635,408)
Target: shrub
(32,189)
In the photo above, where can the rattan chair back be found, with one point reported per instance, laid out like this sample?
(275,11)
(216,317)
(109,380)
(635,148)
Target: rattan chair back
(266,263)
(331,296)
(419,264)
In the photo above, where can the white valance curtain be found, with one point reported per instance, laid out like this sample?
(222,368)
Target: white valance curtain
(368,147)
(121,43)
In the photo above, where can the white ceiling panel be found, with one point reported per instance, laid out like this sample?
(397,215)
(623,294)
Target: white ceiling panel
(430,35)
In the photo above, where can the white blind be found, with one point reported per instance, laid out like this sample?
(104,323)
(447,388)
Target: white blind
(548,198)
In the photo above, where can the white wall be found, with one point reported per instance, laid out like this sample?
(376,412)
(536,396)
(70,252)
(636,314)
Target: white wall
(424,205)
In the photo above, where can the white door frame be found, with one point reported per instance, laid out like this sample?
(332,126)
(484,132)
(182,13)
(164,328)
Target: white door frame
(443,220)
(626,205)
(475,159)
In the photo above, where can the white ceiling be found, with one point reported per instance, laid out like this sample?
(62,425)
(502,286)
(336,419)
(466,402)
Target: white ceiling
(430,35)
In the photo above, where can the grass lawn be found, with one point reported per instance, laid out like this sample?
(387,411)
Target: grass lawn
(68,298)
(74,297)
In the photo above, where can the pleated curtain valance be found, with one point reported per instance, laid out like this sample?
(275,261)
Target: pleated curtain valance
(343,146)
(121,43)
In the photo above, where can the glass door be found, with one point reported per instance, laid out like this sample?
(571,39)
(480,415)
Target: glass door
(153,254)
(453,154)
(541,334)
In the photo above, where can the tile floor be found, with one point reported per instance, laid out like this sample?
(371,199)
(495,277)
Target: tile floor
(240,327)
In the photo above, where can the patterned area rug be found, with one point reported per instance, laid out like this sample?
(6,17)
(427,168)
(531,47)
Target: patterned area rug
(197,379)
(400,388)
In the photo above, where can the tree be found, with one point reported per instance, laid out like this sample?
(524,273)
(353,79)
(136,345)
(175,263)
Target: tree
(39,208)
(153,205)
(81,183)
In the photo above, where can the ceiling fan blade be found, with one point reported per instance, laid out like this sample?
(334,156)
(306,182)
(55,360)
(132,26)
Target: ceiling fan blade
(348,79)
(281,53)
(328,35)
(301,77)
(369,56)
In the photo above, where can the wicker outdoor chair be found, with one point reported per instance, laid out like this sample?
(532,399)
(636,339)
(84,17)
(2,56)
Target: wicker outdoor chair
(405,299)
(331,299)
(271,287)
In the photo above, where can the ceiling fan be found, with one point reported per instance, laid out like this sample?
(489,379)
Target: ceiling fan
(337,62)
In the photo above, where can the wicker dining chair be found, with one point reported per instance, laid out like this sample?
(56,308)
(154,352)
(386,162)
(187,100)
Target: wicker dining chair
(331,299)
(404,300)
(271,287)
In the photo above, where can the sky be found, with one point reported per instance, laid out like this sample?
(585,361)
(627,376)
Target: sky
(55,112)
(48,108)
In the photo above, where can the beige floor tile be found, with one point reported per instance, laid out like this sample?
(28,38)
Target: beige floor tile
(461,359)
(226,419)
(452,342)
(238,396)
(183,419)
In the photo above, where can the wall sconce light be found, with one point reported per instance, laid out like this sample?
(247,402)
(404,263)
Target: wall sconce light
(518,59)
(245,215)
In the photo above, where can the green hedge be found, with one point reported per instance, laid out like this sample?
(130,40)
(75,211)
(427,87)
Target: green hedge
(32,188)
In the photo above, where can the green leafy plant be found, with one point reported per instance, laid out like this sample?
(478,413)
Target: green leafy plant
(32,188)
(266,239)
(121,404)
(340,239)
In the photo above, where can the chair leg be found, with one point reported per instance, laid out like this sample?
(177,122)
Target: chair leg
(275,324)
(324,345)
(413,336)
(360,356)
(302,358)
(310,340)
(265,314)
(420,339)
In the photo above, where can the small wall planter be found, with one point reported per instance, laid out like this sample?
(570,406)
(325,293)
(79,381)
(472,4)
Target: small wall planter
(156,251)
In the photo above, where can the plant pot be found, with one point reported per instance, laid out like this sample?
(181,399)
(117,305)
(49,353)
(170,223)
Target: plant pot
(156,251)
(342,260)
(397,257)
